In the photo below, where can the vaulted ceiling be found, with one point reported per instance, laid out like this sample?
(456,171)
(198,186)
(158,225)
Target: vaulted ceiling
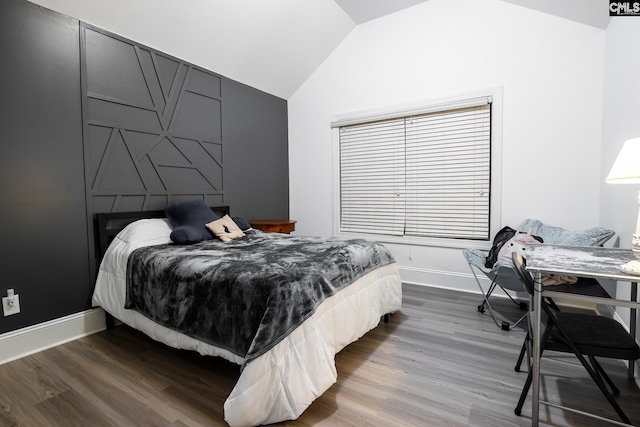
(590,12)
(272,45)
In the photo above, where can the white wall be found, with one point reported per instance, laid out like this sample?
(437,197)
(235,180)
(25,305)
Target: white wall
(551,71)
(621,121)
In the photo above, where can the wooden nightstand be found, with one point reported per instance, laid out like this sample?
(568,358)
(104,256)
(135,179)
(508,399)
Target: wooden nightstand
(285,226)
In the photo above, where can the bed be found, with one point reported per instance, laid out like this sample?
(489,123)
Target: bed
(284,333)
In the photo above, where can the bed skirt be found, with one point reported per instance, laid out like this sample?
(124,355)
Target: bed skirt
(282,383)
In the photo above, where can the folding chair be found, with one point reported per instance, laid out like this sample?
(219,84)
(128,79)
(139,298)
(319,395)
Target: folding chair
(582,334)
(505,276)
(501,276)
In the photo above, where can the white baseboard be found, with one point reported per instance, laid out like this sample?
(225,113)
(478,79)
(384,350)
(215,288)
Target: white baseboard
(36,338)
(439,279)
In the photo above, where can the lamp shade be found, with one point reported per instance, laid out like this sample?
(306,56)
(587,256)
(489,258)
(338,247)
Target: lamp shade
(626,169)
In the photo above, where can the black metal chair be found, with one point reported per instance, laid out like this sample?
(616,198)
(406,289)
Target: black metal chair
(586,335)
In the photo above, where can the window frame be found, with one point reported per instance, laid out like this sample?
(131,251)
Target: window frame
(457,101)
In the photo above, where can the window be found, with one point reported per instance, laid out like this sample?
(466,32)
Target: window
(423,173)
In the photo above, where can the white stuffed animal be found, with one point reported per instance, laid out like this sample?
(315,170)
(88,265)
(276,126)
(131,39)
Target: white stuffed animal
(515,244)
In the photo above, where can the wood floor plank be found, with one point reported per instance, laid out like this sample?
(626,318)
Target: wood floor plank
(438,362)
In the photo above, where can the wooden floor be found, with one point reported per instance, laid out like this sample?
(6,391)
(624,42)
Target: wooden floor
(438,362)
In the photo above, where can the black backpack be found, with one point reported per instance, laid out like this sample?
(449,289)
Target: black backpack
(499,240)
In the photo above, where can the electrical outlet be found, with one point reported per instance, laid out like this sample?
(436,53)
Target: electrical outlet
(11,305)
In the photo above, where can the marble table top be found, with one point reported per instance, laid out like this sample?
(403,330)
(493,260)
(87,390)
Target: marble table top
(581,261)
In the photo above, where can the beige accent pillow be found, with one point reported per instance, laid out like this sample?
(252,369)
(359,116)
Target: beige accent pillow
(225,229)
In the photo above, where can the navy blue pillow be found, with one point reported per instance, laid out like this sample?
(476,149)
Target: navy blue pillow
(241,223)
(189,219)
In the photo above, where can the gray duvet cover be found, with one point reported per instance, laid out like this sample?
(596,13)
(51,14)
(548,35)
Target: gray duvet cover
(248,294)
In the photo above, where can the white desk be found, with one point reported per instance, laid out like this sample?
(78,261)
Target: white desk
(587,261)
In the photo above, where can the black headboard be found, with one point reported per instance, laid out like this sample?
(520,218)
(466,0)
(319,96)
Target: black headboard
(110,224)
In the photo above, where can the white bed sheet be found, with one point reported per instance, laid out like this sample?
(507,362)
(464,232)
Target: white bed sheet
(283,382)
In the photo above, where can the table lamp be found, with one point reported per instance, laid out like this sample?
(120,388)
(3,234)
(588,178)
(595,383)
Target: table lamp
(626,170)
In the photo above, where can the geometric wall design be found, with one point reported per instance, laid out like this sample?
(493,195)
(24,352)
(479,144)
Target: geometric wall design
(94,123)
(152,127)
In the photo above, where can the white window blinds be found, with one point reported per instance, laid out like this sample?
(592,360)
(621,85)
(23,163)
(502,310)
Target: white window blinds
(424,175)
(372,177)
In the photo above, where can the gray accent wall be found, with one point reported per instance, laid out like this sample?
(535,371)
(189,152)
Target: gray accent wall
(45,255)
(92,123)
(256,173)
(153,126)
